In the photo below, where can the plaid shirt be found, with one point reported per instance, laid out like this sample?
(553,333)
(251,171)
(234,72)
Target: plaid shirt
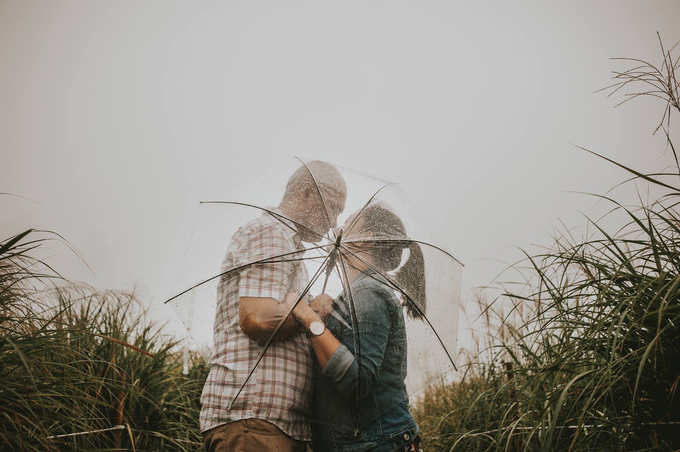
(279,390)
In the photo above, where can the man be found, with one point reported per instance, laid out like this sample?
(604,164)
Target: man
(272,411)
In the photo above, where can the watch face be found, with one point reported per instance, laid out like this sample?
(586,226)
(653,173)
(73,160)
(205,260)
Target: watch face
(316,328)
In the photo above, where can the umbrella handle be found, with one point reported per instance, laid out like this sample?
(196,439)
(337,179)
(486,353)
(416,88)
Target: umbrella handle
(324,283)
(331,260)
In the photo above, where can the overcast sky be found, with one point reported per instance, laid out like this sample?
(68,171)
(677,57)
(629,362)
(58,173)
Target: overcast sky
(119,117)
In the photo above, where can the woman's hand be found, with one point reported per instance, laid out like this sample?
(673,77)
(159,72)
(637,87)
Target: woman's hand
(325,344)
(302,312)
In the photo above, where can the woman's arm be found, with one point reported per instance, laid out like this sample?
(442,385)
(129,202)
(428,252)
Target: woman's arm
(338,359)
(325,344)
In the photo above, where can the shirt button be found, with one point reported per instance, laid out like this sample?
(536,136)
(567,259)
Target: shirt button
(407,436)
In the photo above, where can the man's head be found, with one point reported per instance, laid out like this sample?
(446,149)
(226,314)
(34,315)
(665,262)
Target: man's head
(314,197)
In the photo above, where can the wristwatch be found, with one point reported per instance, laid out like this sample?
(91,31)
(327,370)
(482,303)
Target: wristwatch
(316,328)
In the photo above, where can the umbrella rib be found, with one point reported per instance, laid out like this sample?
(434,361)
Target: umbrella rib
(267,260)
(276,331)
(404,240)
(276,215)
(396,287)
(356,218)
(318,189)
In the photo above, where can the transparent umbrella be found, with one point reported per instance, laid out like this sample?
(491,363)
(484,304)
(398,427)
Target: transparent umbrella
(366,248)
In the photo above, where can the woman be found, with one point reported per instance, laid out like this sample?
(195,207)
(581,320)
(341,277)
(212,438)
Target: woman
(360,399)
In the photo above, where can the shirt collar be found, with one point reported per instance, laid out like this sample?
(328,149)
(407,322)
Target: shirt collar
(290,227)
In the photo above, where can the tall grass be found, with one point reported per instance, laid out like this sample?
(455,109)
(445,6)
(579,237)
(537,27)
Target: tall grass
(74,361)
(587,355)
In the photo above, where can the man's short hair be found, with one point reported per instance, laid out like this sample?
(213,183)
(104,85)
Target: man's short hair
(317,173)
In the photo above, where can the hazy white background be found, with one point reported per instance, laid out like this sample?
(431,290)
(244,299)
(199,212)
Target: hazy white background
(119,117)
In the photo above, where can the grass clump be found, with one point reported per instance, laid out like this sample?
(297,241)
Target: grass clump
(75,360)
(587,355)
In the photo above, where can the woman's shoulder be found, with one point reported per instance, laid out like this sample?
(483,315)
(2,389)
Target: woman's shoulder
(374,286)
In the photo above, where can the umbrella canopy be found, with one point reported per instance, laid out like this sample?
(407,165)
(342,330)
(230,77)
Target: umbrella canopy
(365,244)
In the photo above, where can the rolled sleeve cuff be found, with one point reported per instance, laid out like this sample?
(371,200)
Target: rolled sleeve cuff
(338,365)
(258,292)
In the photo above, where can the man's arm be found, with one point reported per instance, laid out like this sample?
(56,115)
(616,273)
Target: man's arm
(263,285)
(259,318)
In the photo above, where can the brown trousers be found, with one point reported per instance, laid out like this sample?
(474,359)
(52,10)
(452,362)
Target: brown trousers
(250,435)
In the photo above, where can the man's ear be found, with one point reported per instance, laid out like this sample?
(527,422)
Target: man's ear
(308,191)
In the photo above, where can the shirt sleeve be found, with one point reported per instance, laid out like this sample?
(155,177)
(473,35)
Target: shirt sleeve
(269,279)
(352,372)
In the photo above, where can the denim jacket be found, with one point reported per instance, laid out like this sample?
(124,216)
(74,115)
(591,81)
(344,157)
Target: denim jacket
(360,399)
